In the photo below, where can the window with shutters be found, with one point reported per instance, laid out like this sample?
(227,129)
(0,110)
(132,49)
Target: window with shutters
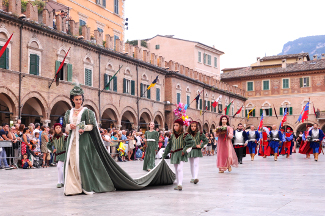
(199,57)
(4,60)
(178,98)
(115,38)
(285,83)
(209,60)
(188,100)
(219,108)
(305,82)
(88,77)
(158,94)
(266,84)
(144,92)
(215,62)
(126,86)
(66,71)
(204,58)
(34,64)
(250,86)
(107,78)
(266,112)
(116,9)
(157,46)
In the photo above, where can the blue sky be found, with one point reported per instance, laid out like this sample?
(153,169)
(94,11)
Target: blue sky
(243,30)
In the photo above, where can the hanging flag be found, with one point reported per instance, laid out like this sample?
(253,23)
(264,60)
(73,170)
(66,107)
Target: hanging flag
(314,110)
(261,123)
(215,103)
(300,116)
(3,49)
(228,108)
(305,113)
(250,112)
(275,112)
(107,84)
(238,111)
(200,112)
(57,78)
(153,83)
(284,119)
(197,98)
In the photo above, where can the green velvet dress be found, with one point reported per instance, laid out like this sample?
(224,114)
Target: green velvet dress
(59,143)
(184,142)
(197,139)
(89,168)
(152,147)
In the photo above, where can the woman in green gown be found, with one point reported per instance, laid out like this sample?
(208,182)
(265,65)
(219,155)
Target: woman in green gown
(151,139)
(88,166)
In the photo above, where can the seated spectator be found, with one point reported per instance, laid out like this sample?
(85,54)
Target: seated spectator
(25,163)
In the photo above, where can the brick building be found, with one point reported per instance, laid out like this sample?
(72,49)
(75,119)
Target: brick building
(287,81)
(36,51)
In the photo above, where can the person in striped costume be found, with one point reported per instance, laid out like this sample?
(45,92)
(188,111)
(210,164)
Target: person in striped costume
(58,141)
(178,145)
(200,142)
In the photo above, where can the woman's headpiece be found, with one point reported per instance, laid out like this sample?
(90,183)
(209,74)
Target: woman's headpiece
(77,90)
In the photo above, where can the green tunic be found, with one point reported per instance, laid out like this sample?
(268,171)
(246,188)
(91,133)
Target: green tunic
(98,170)
(183,141)
(152,147)
(60,146)
(198,138)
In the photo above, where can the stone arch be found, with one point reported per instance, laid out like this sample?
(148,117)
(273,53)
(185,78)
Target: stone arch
(322,127)
(144,77)
(34,108)
(88,60)
(266,104)
(35,41)
(285,102)
(109,66)
(178,86)
(14,100)
(128,118)
(110,116)
(127,71)
(60,98)
(91,105)
(62,51)
(290,125)
(145,118)
(38,96)
(302,126)
(5,31)
(159,118)
(206,126)
(58,110)
(199,122)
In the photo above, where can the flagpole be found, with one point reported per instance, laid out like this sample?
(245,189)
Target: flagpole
(111,78)
(61,65)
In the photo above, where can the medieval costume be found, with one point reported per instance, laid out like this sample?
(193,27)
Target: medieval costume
(315,137)
(239,139)
(59,144)
(305,145)
(88,166)
(275,138)
(178,146)
(287,144)
(253,138)
(226,155)
(151,148)
(196,152)
(265,149)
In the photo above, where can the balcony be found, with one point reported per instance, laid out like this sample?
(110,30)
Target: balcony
(320,115)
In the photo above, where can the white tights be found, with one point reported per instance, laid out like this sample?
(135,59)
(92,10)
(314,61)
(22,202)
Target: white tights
(60,172)
(179,173)
(194,162)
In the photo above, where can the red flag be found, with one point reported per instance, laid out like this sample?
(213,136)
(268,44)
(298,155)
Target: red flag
(305,112)
(261,123)
(61,65)
(314,110)
(3,49)
(215,103)
(238,112)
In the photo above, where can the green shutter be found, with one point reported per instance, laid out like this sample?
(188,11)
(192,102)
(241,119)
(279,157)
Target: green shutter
(301,84)
(204,58)
(204,104)
(37,64)
(215,109)
(141,90)
(57,65)
(32,64)
(200,104)
(208,105)
(261,112)
(148,93)
(105,81)
(69,75)
(124,85)
(290,110)
(3,60)
(307,81)
(7,58)
(270,112)
(132,87)
(254,113)
(115,84)
(178,99)
(157,94)
(281,111)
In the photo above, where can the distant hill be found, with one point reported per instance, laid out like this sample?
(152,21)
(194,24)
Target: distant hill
(314,45)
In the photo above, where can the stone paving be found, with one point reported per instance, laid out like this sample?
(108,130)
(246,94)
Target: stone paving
(292,186)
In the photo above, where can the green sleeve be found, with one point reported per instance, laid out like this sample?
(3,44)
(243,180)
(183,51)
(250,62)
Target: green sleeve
(204,140)
(91,120)
(66,117)
(145,135)
(168,148)
(189,142)
(157,140)
(50,145)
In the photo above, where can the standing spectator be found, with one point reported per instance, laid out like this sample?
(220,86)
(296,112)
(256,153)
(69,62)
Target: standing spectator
(209,146)
(107,140)
(32,125)
(4,133)
(37,128)
(125,141)
(131,145)
(161,140)
(3,158)
(114,140)
(44,141)
(20,130)
(167,136)
(15,146)
(25,142)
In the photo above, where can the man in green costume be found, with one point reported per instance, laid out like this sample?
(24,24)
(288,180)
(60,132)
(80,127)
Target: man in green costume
(178,145)
(88,166)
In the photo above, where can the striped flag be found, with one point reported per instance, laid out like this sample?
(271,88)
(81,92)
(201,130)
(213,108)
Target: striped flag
(3,49)
(228,108)
(153,83)
(261,123)
(249,113)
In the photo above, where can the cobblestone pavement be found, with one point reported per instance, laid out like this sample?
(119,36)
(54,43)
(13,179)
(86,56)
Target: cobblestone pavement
(292,186)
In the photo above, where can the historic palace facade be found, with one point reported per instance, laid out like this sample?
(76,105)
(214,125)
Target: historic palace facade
(36,51)
(284,82)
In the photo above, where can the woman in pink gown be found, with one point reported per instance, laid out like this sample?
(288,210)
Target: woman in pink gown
(226,155)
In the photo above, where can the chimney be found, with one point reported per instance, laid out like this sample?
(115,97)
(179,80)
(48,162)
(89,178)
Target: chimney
(315,57)
(258,61)
(323,55)
(300,60)
(284,63)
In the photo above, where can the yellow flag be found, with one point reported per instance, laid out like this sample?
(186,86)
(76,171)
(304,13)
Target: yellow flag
(200,112)
(249,113)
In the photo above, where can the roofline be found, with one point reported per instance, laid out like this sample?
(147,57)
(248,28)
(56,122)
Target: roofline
(281,56)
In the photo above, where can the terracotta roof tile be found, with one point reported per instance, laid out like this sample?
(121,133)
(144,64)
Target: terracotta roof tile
(285,56)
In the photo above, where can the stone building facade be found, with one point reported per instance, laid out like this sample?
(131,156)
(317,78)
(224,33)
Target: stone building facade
(34,55)
(282,85)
